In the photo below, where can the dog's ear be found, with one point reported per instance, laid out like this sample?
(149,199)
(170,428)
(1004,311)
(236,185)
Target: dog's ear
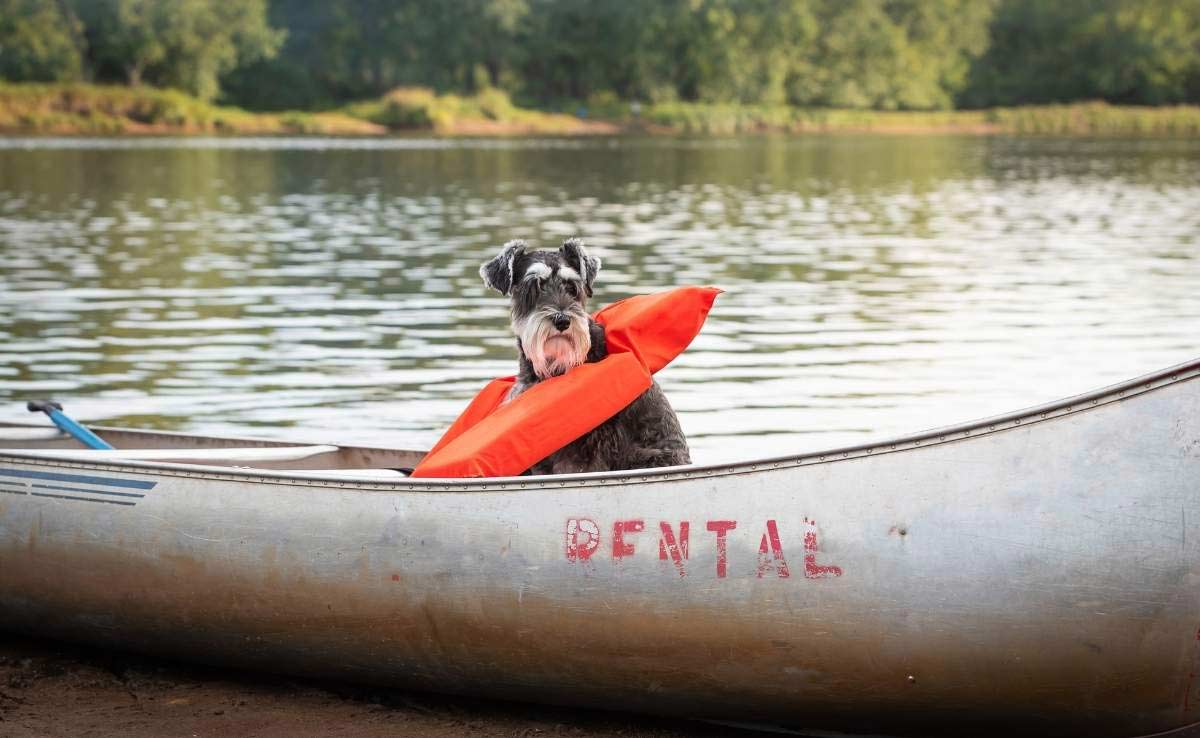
(576,257)
(498,273)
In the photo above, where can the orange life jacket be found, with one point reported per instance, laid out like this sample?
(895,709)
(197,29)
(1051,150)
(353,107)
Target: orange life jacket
(494,438)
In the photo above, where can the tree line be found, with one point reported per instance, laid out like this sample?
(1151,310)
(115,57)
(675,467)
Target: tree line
(869,54)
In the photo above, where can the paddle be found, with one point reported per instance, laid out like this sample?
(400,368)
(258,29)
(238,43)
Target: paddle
(81,434)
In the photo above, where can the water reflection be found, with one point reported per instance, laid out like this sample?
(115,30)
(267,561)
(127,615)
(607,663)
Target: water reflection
(328,290)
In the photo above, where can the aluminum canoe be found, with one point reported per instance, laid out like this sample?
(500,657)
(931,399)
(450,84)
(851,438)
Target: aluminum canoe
(1038,571)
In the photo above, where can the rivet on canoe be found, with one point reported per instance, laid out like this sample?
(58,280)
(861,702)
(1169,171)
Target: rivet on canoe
(912,679)
(822,458)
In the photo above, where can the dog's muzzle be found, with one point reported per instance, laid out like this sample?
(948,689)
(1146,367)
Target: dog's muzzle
(554,341)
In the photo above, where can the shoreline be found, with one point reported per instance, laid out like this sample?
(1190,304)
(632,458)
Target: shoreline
(94,110)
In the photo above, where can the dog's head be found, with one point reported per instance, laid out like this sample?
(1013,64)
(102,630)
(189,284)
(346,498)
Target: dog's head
(549,292)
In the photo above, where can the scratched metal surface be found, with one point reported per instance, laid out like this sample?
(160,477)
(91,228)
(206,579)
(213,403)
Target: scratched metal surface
(1040,576)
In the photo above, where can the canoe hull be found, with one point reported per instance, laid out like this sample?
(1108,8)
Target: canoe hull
(1043,574)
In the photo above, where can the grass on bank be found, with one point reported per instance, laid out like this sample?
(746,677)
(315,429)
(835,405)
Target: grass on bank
(81,109)
(1079,119)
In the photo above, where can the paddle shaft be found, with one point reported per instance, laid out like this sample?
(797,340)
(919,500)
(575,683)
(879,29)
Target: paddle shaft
(77,431)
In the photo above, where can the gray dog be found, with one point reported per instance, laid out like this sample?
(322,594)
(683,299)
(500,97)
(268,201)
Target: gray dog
(549,292)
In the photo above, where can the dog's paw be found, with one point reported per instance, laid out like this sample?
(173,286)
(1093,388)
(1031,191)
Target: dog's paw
(599,347)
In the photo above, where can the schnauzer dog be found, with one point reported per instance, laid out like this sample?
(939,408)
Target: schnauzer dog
(549,292)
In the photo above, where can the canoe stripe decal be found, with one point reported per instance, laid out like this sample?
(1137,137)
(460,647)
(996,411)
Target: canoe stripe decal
(78,479)
(13,491)
(87,491)
(85,499)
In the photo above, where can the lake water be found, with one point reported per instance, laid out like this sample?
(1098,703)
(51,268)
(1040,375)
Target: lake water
(318,289)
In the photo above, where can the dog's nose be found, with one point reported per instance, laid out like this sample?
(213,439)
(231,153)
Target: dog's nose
(561,321)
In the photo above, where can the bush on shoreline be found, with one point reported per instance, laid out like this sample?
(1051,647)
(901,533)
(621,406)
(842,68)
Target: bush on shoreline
(488,111)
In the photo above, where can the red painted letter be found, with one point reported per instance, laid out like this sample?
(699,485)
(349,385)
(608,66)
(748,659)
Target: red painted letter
(721,527)
(667,543)
(578,550)
(813,570)
(771,539)
(622,549)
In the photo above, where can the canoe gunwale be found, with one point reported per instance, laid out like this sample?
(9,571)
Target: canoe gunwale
(968,430)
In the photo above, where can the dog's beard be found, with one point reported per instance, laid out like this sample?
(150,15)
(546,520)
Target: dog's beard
(553,352)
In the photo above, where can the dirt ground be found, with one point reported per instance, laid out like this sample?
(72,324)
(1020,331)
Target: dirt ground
(48,688)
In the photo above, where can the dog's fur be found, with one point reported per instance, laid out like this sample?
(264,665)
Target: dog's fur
(549,292)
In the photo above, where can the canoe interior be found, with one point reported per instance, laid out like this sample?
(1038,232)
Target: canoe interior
(32,437)
(377,463)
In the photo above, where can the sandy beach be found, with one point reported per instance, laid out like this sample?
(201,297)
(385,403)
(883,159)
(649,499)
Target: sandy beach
(49,688)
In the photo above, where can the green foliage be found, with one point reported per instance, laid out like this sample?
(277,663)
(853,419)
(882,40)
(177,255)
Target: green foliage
(338,50)
(1128,51)
(903,54)
(473,57)
(185,44)
(38,42)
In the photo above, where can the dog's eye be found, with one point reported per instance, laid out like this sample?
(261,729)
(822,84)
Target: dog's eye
(572,289)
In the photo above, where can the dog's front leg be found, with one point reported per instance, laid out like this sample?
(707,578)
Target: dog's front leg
(599,347)
(655,436)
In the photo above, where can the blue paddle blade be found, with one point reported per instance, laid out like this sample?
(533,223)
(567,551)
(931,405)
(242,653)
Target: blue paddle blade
(77,431)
